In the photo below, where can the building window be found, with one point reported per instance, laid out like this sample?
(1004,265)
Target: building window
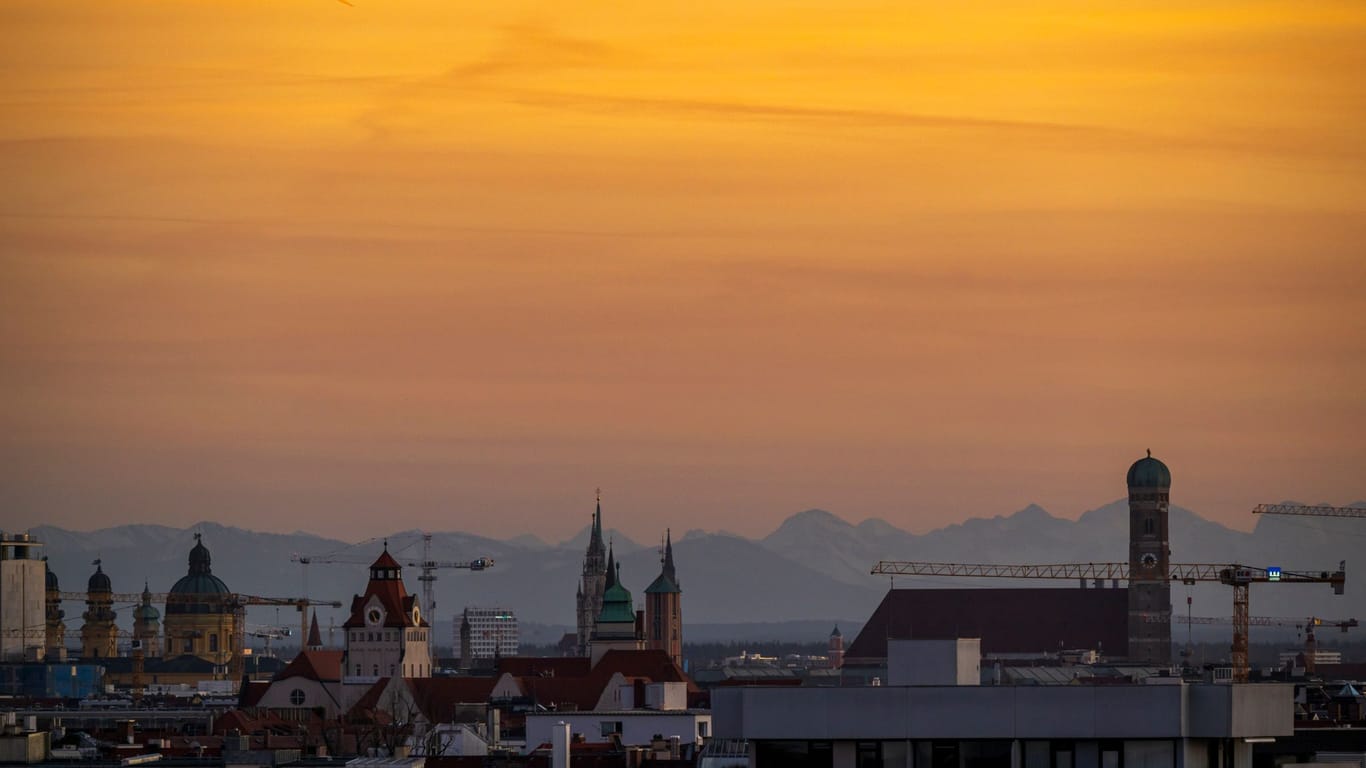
(357,670)
(296,697)
(391,669)
(213,642)
(376,670)
(610,727)
(189,645)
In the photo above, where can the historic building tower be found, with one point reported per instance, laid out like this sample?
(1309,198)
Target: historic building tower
(201,614)
(99,636)
(594,581)
(55,627)
(835,649)
(386,634)
(147,624)
(615,627)
(1149,563)
(664,608)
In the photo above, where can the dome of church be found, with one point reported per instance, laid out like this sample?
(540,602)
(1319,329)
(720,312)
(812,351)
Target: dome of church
(146,611)
(1148,472)
(617,605)
(99,582)
(199,581)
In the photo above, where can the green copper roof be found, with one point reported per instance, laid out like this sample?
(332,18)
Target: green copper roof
(617,606)
(662,585)
(1148,472)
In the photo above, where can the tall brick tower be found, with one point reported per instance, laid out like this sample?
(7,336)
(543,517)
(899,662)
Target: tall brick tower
(1150,641)
(664,608)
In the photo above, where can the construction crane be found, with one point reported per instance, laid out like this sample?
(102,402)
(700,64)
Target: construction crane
(429,568)
(268,634)
(1308,511)
(1240,577)
(239,603)
(1307,625)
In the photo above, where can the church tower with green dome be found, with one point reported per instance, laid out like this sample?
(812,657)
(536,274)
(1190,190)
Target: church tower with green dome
(147,624)
(616,627)
(1150,598)
(201,615)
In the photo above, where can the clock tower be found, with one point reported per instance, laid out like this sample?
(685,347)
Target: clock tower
(1150,600)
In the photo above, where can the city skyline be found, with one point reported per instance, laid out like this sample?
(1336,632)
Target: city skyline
(446,265)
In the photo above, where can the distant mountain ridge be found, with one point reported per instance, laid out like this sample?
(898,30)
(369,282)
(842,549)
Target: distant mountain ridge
(813,566)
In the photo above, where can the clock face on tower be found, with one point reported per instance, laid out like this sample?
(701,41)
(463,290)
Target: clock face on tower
(1149,560)
(373,617)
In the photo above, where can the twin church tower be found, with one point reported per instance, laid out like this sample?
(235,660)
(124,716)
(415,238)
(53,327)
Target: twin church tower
(606,614)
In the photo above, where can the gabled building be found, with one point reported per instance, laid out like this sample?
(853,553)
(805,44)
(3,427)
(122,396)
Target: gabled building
(386,634)
(310,682)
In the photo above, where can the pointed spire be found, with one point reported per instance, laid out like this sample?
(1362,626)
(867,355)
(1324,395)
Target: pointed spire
(315,637)
(595,541)
(669,556)
(611,569)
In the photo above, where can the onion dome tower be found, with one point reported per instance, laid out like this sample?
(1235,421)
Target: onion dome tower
(201,613)
(55,628)
(99,636)
(1150,640)
(664,608)
(147,624)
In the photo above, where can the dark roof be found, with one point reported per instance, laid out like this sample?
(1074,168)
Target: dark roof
(99,580)
(323,666)
(583,690)
(1029,620)
(437,697)
(251,692)
(398,604)
(1148,472)
(385,560)
(528,666)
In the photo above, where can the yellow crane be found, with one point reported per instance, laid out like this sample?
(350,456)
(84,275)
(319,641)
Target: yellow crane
(1240,577)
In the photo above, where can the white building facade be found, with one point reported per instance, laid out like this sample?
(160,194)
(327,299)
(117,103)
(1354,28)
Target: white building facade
(493,632)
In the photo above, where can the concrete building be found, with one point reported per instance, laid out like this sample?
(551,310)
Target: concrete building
(491,632)
(662,711)
(1065,726)
(23,587)
(386,634)
(932,713)
(594,582)
(664,608)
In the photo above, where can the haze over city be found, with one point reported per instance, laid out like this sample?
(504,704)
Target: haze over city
(447,265)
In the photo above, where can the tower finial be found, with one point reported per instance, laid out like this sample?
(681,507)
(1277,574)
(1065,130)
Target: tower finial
(1150,453)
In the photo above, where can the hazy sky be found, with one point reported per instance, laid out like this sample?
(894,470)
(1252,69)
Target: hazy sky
(289,264)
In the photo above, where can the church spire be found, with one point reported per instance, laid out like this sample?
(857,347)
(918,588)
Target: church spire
(669,556)
(595,541)
(611,569)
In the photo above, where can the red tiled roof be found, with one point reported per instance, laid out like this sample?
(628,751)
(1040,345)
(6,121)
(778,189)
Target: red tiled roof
(585,690)
(1027,620)
(385,560)
(398,605)
(251,692)
(322,666)
(526,666)
(369,701)
(436,697)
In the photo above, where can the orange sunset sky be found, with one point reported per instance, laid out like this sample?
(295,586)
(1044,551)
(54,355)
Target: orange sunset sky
(289,264)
